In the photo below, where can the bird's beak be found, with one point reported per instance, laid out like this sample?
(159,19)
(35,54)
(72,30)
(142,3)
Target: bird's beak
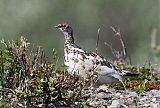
(56,26)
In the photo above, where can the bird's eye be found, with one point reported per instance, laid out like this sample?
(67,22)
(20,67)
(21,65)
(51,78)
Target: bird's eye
(64,25)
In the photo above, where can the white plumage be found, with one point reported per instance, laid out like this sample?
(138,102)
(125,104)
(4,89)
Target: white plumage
(82,62)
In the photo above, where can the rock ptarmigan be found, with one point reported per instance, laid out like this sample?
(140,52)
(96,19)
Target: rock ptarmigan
(82,62)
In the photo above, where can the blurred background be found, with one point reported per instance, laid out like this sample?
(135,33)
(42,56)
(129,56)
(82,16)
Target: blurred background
(35,19)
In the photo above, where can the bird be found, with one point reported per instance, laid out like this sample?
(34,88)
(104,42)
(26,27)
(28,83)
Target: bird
(82,62)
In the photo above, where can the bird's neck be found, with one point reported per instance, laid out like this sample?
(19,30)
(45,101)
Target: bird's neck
(69,39)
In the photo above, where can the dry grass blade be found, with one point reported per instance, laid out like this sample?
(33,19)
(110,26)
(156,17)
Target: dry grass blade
(97,40)
(120,55)
(111,48)
(118,33)
(49,84)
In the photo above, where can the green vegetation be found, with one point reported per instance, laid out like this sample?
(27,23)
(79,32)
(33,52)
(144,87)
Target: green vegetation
(29,79)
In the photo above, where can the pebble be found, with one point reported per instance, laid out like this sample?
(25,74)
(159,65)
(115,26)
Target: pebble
(133,94)
(154,92)
(157,98)
(105,97)
(115,104)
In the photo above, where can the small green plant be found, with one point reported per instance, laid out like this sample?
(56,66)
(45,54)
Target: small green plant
(28,79)
(145,78)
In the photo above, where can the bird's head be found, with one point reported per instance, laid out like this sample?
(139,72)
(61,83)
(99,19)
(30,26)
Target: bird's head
(65,28)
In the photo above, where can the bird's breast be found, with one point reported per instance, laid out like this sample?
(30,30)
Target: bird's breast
(78,62)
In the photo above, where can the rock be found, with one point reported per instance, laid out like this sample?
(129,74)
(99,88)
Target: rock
(156,105)
(103,87)
(100,95)
(115,104)
(154,99)
(107,98)
(133,94)
(154,92)
(146,105)
(111,98)
(143,99)
(157,98)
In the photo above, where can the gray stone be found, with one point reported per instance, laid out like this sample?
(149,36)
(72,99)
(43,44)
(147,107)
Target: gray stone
(154,92)
(134,94)
(115,104)
(157,98)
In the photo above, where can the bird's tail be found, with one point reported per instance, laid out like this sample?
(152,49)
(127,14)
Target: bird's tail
(128,74)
